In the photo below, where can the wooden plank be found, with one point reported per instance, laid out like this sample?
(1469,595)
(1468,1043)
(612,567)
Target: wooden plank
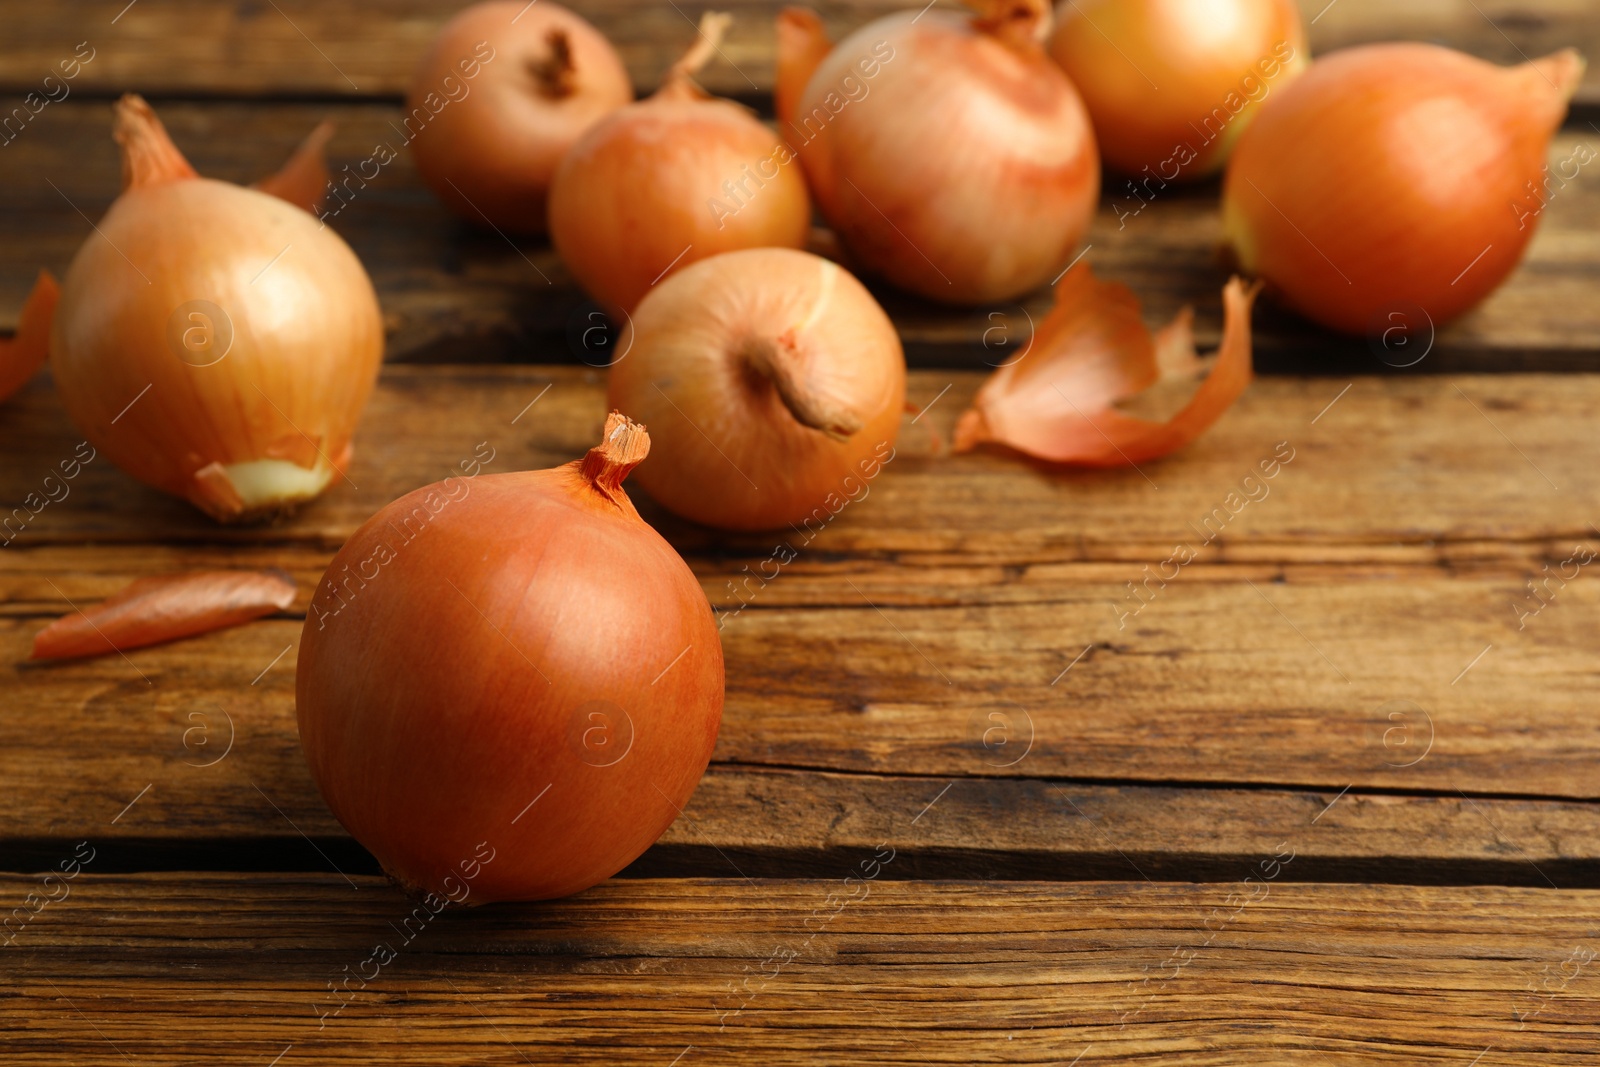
(202,968)
(1433,471)
(777,822)
(450,292)
(1394,545)
(369,48)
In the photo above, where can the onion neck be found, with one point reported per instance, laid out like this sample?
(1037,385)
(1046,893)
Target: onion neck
(1020,23)
(148,155)
(555,75)
(623,447)
(679,82)
(778,362)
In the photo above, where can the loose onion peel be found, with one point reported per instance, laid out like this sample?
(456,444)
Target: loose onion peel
(1093,350)
(165,608)
(303,180)
(22,355)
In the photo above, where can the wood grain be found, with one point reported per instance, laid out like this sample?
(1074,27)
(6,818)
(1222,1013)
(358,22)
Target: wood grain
(450,292)
(370,47)
(217,968)
(1337,636)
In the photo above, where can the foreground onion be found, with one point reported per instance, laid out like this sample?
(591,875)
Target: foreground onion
(775,383)
(215,342)
(1092,350)
(514,665)
(1396,184)
(947,151)
(503,92)
(672,180)
(1170,84)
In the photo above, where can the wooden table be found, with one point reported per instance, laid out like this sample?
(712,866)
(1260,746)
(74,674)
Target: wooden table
(1061,805)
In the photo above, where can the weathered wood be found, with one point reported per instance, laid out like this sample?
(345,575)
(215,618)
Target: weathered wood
(755,822)
(370,48)
(1435,471)
(453,293)
(216,968)
(953,599)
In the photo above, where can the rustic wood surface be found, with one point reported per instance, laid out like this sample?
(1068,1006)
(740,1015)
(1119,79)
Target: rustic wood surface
(873,971)
(369,48)
(1083,806)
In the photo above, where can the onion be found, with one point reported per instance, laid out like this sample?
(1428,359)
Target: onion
(506,88)
(775,383)
(1393,180)
(214,341)
(672,180)
(947,151)
(514,660)
(1171,84)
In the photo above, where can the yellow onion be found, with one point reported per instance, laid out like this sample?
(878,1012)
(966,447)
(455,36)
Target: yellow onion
(504,91)
(672,180)
(213,341)
(1171,84)
(947,151)
(775,384)
(509,684)
(1386,181)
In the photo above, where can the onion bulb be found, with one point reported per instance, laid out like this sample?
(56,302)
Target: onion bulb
(947,151)
(214,341)
(672,180)
(775,382)
(1396,182)
(514,665)
(506,88)
(1171,84)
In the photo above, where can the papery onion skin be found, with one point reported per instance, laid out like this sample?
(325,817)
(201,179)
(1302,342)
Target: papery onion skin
(951,156)
(491,148)
(162,608)
(669,181)
(1388,179)
(178,266)
(1171,84)
(1091,351)
(23,355)
(730,450)
(447,684)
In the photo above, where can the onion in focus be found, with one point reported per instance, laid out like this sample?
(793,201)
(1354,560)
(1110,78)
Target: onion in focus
(213,341)
(510,666)
(948,151)
(672,180)
(1393,186)
(1171,84)
(775,382)
(503,92)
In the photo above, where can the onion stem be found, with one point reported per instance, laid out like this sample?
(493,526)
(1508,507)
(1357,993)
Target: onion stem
(777,362)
